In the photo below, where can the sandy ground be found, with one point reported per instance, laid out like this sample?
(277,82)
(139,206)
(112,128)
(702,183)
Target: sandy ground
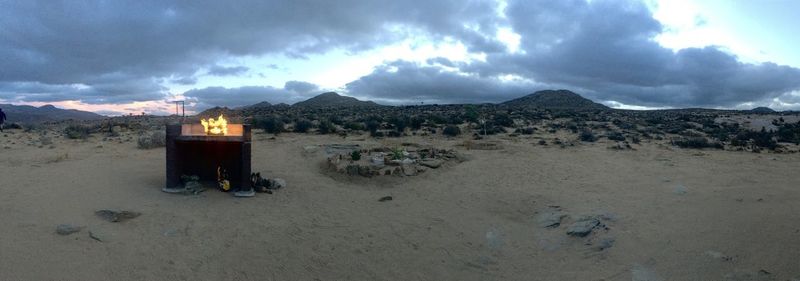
(675,215)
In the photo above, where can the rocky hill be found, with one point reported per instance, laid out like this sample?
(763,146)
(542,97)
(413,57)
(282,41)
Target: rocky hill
(555,99)
(32,114)
(332,99)
(762,109)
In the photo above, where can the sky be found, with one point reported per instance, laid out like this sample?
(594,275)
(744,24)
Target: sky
(120,57)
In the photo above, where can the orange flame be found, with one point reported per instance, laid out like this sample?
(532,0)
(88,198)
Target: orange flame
(215,127)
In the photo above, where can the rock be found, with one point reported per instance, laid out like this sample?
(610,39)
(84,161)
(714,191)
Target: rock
(310,149)
(67,229)
(583,227)
(550,218)
(96,236)
(718,255)
(278,183)
(431,163)
(116,216)
(409,170)
(385,198)
(680,190)
(406,161)
(605,243)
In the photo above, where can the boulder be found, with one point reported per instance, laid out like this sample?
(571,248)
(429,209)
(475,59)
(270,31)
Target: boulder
(431,163)
(583,227)
(550,218)
(67,229)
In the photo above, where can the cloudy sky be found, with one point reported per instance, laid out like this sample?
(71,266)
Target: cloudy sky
(117,57)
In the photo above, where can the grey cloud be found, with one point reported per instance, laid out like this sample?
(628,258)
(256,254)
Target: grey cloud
(402,82)
(300,86)
(64,43)
(217,70)
(294,91)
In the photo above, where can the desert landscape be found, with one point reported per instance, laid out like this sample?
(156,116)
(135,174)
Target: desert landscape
(538,200)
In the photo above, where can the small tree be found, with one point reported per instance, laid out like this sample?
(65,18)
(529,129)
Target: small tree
(302,126)
(451,131)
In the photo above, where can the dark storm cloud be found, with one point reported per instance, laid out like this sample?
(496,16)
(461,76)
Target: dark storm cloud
(217,70)
(402,82)
(609,48)
(294,91)
(62,43)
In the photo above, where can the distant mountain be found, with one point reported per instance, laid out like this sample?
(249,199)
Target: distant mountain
(331,99)
(258,105)
(554,99)
(216,111)
(32,114)
(762,109)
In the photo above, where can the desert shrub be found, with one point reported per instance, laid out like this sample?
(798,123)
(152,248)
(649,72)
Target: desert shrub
(451,131)
(269,124)
(396,153)
(302,126)
(355,155)
(587,136)
(373,126)
(525,131)
(615,136)
(416,122)
(13,125)
(77,131)
(502,119)
(399,123)
(355,126)
(152,140)
(696,142)
(471,113)
(437,119)
(326,127)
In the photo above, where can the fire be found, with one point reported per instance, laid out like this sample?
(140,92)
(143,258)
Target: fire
(215,127)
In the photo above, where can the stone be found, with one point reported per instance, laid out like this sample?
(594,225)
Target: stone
(67,229)
(97,236)
(680,190)
(604,244)
(116,216)
(431,163)
(583,227)
(278,183)
(409,170)
(550,218)
(385,198)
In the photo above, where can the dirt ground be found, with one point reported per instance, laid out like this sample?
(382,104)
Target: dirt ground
(669,214)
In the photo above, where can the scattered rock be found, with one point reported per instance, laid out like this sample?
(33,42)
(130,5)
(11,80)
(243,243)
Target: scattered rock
(583,227)
(116,216)
(94,235)
(550,219)
(680,190)
(409,170)
(277,183)
(604,244)
(67,229)
(385,198)
(431,163)
(718,255)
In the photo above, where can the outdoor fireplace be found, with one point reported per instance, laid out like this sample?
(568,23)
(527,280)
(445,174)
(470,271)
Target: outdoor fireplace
(200,149)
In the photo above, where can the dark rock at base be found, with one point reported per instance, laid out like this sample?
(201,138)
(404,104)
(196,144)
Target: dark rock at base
(67,229)
(385,198)
(116,216)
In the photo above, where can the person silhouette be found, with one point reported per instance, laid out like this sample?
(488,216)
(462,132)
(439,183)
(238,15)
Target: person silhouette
(2,119)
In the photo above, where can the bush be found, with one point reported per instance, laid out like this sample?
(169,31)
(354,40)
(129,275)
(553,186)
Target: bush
(416,122)
(77,131)
(373,126)
(615,136)
(587,136)
(270,124)
(326,127)
(451,131)
(152,140)
(355,126)
(503,119)
(525,131)
(302,126)
(696,142)
(355,155)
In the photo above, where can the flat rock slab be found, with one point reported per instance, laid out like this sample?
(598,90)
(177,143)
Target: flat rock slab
(550,218)
(583,227)
(67,229)
(431,163)
(116,216)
